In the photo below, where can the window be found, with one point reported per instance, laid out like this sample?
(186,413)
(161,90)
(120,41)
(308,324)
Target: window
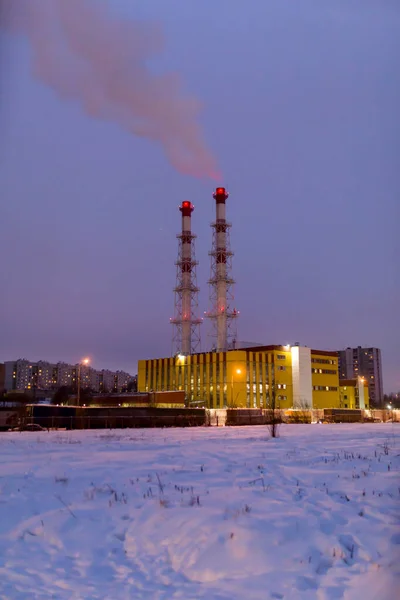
(323,361)
(281,368)
(280,356)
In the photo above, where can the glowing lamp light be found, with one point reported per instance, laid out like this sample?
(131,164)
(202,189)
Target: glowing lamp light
(85,361)
(220,190)
(238,371)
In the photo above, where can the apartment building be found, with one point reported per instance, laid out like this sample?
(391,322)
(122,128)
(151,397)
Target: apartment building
(23,374)
(366,363)
(2,377)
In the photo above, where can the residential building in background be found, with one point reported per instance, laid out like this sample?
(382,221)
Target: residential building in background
(2,377)
(25,375)
(363,362)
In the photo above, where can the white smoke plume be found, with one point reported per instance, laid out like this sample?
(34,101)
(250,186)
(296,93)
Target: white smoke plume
(86,53)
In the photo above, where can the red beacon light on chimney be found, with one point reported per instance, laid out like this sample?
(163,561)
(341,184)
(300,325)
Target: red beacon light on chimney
(220,194)
(186,208)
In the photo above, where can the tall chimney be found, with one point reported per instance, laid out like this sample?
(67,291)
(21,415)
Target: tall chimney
(186,333)
(222,314)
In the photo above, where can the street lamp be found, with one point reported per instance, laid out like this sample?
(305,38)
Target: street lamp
(85,362)
(182,374)
(238,372)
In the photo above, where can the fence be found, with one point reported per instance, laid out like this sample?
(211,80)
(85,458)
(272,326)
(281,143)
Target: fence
(237,417)
(145,418)
(114,422)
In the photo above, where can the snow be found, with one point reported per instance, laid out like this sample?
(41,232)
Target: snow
(214,513)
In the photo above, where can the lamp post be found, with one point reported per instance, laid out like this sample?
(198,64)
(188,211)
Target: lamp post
(238,372)
(182,374)
(85,362)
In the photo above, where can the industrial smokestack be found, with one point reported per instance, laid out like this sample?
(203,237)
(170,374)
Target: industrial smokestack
(221,283)
(87,54)
(186,336)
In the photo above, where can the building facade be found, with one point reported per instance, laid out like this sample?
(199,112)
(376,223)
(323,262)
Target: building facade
(25,375)
(364,362)
(259,377)
(354,393)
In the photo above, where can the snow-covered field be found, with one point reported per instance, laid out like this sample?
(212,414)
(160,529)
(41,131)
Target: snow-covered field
(201,513)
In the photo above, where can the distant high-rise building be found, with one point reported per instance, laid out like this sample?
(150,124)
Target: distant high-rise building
(363,362)
(23,374)
(2,377)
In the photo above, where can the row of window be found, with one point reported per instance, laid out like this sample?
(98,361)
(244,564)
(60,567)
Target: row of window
(324,388)
(324,361)
(324,371)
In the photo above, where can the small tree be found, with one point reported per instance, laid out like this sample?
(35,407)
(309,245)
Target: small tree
(86,395)
(273,416)
(61,395)
(132,385)
(18,398)
(302,412)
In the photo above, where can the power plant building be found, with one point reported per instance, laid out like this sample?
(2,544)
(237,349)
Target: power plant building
(261,377)
(354,393)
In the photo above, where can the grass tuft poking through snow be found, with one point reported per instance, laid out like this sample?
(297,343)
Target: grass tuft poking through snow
(218,514)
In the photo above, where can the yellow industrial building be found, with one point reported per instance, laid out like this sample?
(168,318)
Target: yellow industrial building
(354,393)
(257,377)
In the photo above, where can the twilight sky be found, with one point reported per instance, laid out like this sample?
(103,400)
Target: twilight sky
(300,106)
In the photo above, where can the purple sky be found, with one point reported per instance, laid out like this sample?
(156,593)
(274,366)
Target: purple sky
(301,108)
